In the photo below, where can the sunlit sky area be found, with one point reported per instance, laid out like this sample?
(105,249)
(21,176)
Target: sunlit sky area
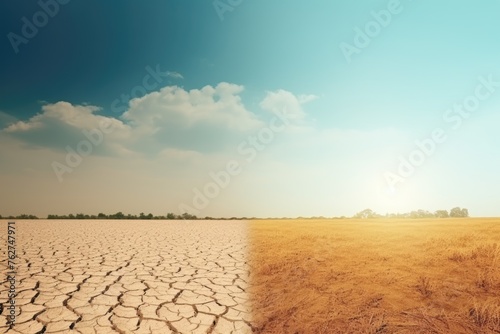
(249,108)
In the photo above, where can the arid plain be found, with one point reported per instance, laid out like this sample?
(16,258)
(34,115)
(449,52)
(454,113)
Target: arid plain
(376,276)
(128,277)
(302,276)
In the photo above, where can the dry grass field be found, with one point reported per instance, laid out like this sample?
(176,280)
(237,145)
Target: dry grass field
(376,276)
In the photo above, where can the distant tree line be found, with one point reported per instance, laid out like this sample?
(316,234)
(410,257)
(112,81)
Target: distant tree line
(121,215)
(365,214)
(23,216)
(141,216)
(454,213)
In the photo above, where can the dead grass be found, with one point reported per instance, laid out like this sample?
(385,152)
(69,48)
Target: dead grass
(379,276)
(424,286)
(486,314)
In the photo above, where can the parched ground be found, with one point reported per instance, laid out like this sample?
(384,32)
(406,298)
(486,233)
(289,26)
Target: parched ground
(439,276)
(128,277)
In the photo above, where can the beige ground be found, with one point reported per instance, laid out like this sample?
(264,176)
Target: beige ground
(129,277)
(375,276)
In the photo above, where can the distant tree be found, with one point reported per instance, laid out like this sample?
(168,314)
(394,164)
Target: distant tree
(102,216)
(425,214)
(419,214)
(187,216)
(119,215)
(365,214)
(458,212)
(441,214)
(465,213)
(170,215)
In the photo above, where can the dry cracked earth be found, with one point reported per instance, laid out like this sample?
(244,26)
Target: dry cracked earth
(129,277)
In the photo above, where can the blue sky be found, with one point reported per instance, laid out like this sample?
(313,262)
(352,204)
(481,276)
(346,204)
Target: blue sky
(226,69)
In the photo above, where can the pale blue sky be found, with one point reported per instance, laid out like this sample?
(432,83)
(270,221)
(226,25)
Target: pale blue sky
(350,119)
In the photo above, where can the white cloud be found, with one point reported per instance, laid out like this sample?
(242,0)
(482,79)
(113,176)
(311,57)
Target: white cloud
(282,101)
(6,120)
(81,117)
(175,75)
(23,126)
(304,98)
(172,106)
(62,124)
(171,123)
(173,126)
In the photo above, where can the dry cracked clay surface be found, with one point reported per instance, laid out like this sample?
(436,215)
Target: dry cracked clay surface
(129,277)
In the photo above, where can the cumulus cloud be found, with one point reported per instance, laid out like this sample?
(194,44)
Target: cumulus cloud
(6,120)
(285,102)
(172,122)
(213,106)
(204,120)
(77,116)
(61,124)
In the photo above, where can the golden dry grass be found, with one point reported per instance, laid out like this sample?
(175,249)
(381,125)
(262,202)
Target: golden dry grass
(376,276)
